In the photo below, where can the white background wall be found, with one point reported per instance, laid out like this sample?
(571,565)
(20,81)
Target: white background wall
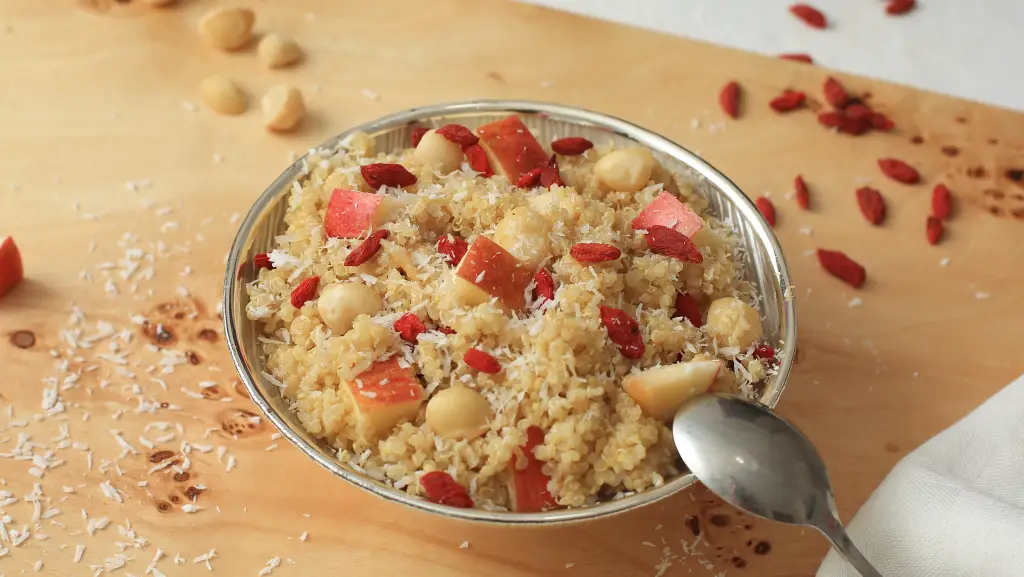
(973,49)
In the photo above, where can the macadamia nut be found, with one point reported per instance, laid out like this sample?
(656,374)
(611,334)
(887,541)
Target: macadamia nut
(733,323)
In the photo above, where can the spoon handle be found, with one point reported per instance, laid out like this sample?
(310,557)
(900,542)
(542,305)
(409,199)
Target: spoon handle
(833,529)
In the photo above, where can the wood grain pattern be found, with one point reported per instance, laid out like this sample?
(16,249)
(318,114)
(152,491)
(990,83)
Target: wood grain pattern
(92,98)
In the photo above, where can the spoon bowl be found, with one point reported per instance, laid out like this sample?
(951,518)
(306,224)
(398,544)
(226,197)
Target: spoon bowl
(759,462)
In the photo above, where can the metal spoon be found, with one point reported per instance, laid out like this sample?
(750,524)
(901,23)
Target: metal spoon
(759,462)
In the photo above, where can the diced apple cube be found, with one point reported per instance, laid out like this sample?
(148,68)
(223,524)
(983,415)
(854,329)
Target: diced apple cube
(384,396)
(511,148)
(11,270)
(529,490)
(668,211)
(350,213)
(489,271)
(661,391)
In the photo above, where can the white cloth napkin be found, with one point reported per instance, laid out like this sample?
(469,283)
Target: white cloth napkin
(955,506)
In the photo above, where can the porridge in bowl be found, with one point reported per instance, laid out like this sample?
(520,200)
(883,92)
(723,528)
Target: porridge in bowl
(485,321)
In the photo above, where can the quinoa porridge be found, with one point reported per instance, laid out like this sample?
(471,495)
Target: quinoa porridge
(483,320)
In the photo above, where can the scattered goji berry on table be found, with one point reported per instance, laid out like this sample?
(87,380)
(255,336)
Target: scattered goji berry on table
(481,361)
(809,14)
(305,292)
(767,209)
(458,134)
(12,270)
(571,146)
(881,122)
(417,135)
(261,261)
(440,488)
(686,307)
(529,179)
(899,171)
(478,161)
(934,229)
(729,99)
(594,252)
(803,198)
(898,7)
(544,285)
(797,57)
(381,174)
(872,205)
(672,243)
(859,111)
(835,94)
(942,202)
(842,267)
(366,249)
(787,101)
(410,326)
(453,248)
(624,331)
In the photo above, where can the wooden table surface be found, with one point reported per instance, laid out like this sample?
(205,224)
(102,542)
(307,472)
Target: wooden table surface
(104,146)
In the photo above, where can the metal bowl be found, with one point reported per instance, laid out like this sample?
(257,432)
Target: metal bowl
(765,268)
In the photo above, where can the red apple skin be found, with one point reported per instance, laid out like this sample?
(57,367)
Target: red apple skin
(504,276)
(11,270)
(402,385)
(530,485)
(350,213)
(668,211)
(511,147)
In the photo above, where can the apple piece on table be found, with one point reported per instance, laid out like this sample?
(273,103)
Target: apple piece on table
(11,270)
(668,211)
(511,148)
(661,391)
(529,490)
(489,271)
(385,395)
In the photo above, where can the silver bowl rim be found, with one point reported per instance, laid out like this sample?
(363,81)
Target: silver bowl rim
(570,114)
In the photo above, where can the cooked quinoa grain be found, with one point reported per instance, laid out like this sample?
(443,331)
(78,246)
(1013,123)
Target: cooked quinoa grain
(365,388)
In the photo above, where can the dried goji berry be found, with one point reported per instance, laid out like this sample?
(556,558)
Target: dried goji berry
(549,175)
(835,94)
(898,7)
(729,99)
(624,331)
(872,205)
(446,330)
(458,134)
(529,179)
(881,122)
(843,122)
(764,352)
(571,146)
(899,171)
(859,111)
(478,161)
(12,269)
(410,326)
(544,286)
(481,361)
(803,198)
(453,248)
(767,209)
(842,267)
(809,14)
(672,243)
(261,261)
(787,101)
(381,174)
(366,249)
(797,57)
(305,292)
(687,307)
(934,229)
(417,135)
(439,487)
(594,252)
(942,202)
